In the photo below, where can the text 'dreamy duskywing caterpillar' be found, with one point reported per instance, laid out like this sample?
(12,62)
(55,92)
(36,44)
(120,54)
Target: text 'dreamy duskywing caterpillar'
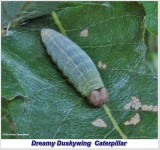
(76,65)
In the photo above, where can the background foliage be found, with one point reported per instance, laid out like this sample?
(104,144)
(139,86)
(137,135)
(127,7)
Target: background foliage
(39,101)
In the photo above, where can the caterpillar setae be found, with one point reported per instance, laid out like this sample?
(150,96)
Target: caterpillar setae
(76,65)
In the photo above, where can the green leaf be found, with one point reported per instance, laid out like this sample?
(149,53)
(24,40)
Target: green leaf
(10,82)
(151,20)
(52,108)
(7,125)
(16,12)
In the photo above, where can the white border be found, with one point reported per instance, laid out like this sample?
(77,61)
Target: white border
(138,143)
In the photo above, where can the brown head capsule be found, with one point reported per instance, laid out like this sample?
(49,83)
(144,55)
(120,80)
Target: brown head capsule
(98,97)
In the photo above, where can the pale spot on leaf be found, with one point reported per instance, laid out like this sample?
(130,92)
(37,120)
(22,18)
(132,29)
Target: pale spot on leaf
(155,109)
(138,105)
(144,107)
(134,120)
(128,105)
(150,108)
(99,123)
(134,99)
(101,65)
(126,123)
(133,105)
(84,33)
(104,66)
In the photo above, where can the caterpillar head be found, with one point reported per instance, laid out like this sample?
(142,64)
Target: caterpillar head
(98,97)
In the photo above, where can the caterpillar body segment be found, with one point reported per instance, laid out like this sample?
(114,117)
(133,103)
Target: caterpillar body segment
(76,65)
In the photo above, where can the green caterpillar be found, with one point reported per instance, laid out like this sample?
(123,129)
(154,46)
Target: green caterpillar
(76,65)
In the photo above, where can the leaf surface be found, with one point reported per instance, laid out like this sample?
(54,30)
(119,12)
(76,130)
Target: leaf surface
(151,20)
(52,108)
(17,12)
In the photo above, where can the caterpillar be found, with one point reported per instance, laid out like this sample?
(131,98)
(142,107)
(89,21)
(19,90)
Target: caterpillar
(76,65)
